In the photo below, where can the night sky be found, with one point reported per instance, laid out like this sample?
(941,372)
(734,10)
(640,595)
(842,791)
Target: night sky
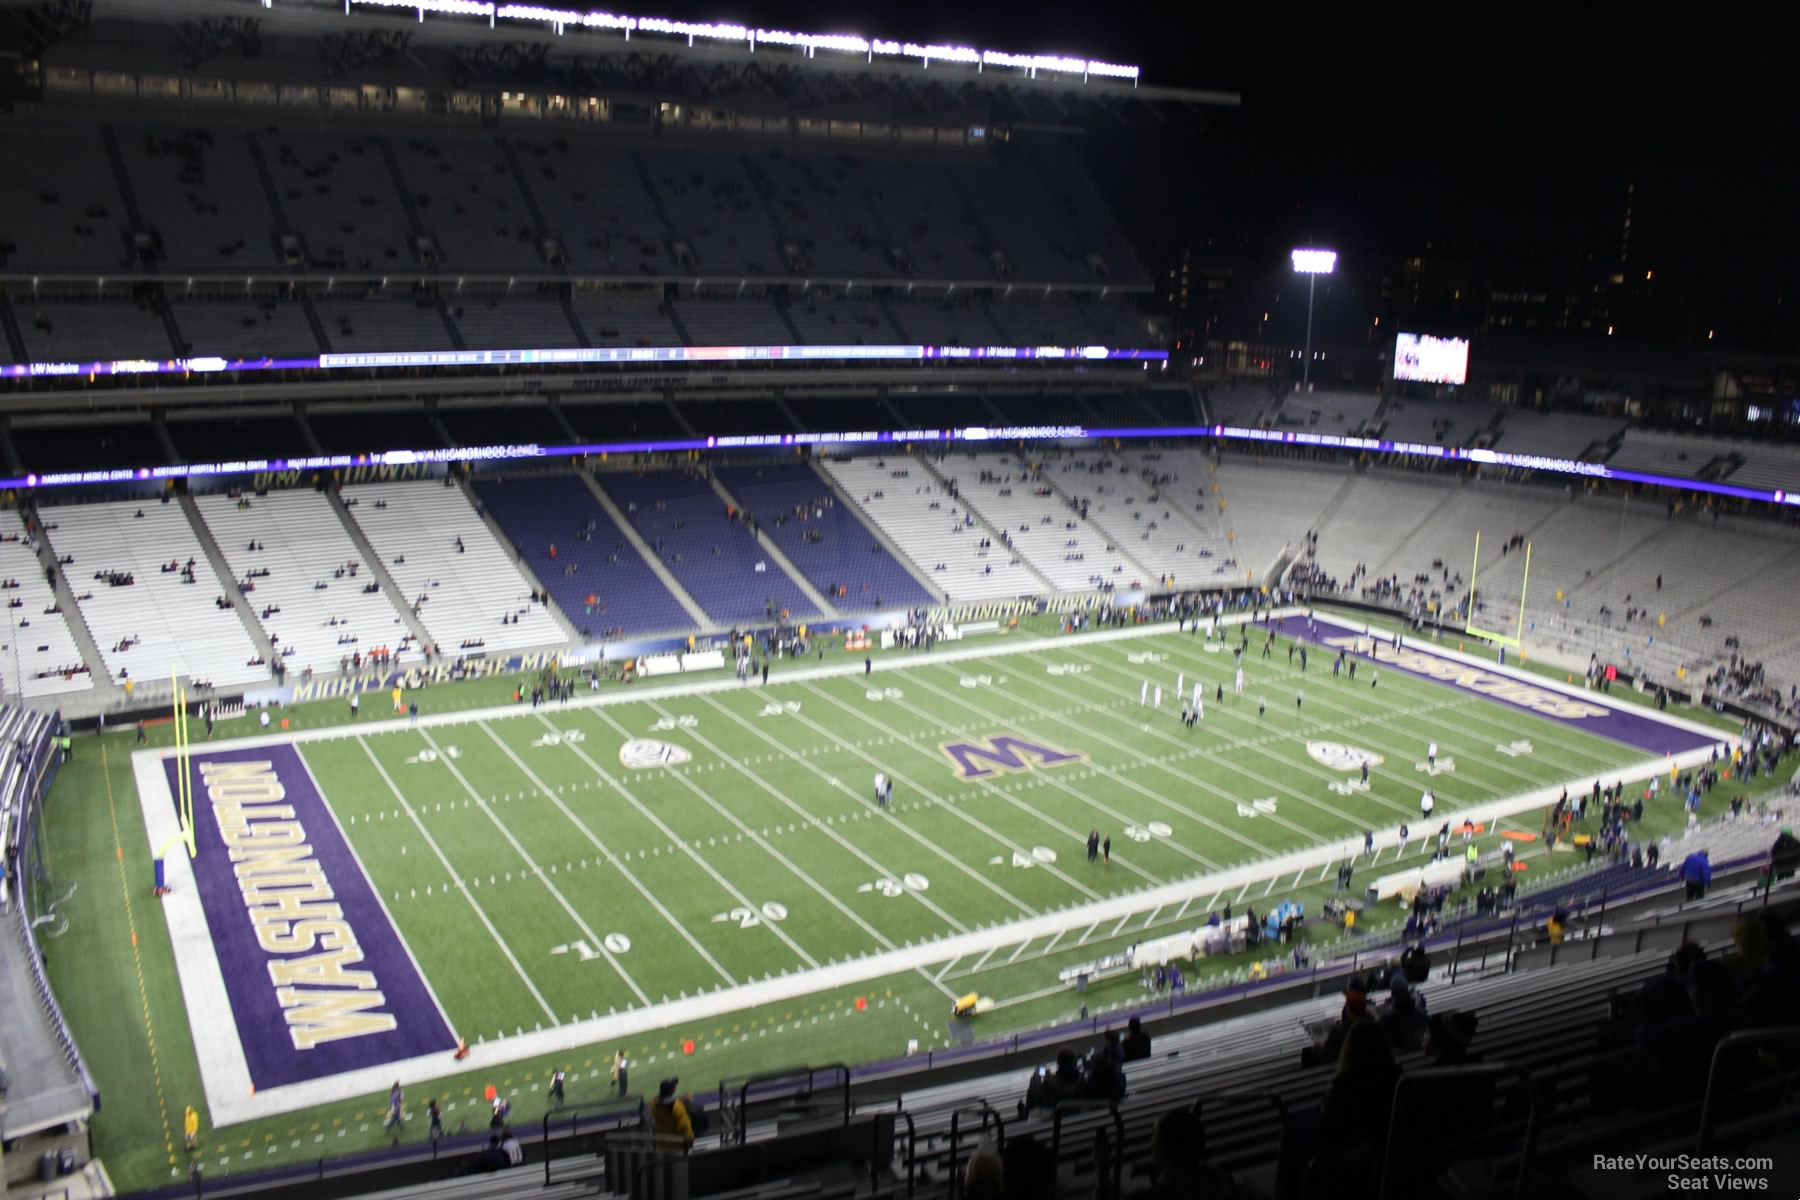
(1494,130)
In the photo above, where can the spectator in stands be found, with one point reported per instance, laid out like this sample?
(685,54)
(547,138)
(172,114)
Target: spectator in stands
(1784,855)
(1768,973)
(509,1144)
(1696,872)
(1448,1037)
(1030,1169)
(1403,1021)
(1105,1079)
(1137,1041)
(669,1117)
(985,1176)
(1354,1012)
(1352,1133)
(491,1159)
(1046,1088)
(1178,1149)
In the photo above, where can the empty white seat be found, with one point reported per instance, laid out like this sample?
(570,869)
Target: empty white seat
(41,658)
(906,501)
(1051,535)
(302,543)
(472,602)
(159,623)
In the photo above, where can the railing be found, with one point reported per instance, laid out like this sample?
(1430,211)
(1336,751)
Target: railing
(988,1117)
(600,1113)
(39,769)
(1729,1046)
(1109,1158)
(1402,1142)
(738,1127)
(912,1151)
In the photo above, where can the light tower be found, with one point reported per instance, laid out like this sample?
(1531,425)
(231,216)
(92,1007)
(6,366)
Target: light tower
(1312,264)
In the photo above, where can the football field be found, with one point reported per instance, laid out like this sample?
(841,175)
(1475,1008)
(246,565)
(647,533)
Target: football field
(536,880)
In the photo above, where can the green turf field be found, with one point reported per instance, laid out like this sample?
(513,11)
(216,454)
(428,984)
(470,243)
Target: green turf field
(538,880)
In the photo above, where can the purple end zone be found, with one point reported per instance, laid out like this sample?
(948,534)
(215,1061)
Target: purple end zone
(273,1037)
(1639,730)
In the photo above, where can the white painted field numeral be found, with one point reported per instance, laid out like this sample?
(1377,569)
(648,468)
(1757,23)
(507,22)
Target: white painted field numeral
(431,756)
(911,882)
(1143,833)
(1040,855)
(565,737)
(749,918)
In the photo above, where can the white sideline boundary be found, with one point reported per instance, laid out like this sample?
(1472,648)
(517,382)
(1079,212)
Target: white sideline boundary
(223,1067)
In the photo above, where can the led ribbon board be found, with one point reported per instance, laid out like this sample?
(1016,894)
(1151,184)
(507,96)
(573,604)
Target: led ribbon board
(973,434)
(567,356)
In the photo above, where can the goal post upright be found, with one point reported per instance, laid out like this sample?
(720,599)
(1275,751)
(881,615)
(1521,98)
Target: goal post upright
(1513,639)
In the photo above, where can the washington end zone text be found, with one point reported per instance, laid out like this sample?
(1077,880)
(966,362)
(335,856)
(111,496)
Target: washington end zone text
(293,909)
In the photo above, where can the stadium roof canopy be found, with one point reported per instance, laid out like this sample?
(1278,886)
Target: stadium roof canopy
(475,44)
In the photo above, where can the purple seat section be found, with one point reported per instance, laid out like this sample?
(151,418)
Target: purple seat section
(717,559)
(793,506)
(541,511)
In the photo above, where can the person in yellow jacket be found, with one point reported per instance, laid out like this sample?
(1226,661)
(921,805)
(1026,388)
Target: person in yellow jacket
(669,1117)
(190,1129)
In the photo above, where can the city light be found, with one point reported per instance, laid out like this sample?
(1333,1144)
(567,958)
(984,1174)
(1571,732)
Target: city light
(1315,262)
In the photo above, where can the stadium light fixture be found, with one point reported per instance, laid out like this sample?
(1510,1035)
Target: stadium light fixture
(1312,264)
(560,19)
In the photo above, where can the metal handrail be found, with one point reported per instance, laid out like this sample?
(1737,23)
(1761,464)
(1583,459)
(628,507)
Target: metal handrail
(620,1107)
(912,1149)
(1731,1043)
(1422,1075)
(742,1130)
(989,1116)
(1065,1107)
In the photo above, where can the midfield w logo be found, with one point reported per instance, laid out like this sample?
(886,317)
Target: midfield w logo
(973,760)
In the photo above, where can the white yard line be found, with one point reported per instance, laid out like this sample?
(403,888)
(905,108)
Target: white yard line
(947,969)
(1217,760)
(679,842)
(1052,779)
(756,778)
(615,860)
(543,877)
(1065,830)
(935,982)
(1086,934)
(1020,950)
(891,821)
(953,809)
(450,870)
(987,954)
(1151,919)
(761,842)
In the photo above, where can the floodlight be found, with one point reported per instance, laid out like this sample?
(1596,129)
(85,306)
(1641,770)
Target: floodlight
(1315,262)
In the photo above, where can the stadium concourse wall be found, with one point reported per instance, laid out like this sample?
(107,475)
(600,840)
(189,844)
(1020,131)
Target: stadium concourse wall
(223,1066)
